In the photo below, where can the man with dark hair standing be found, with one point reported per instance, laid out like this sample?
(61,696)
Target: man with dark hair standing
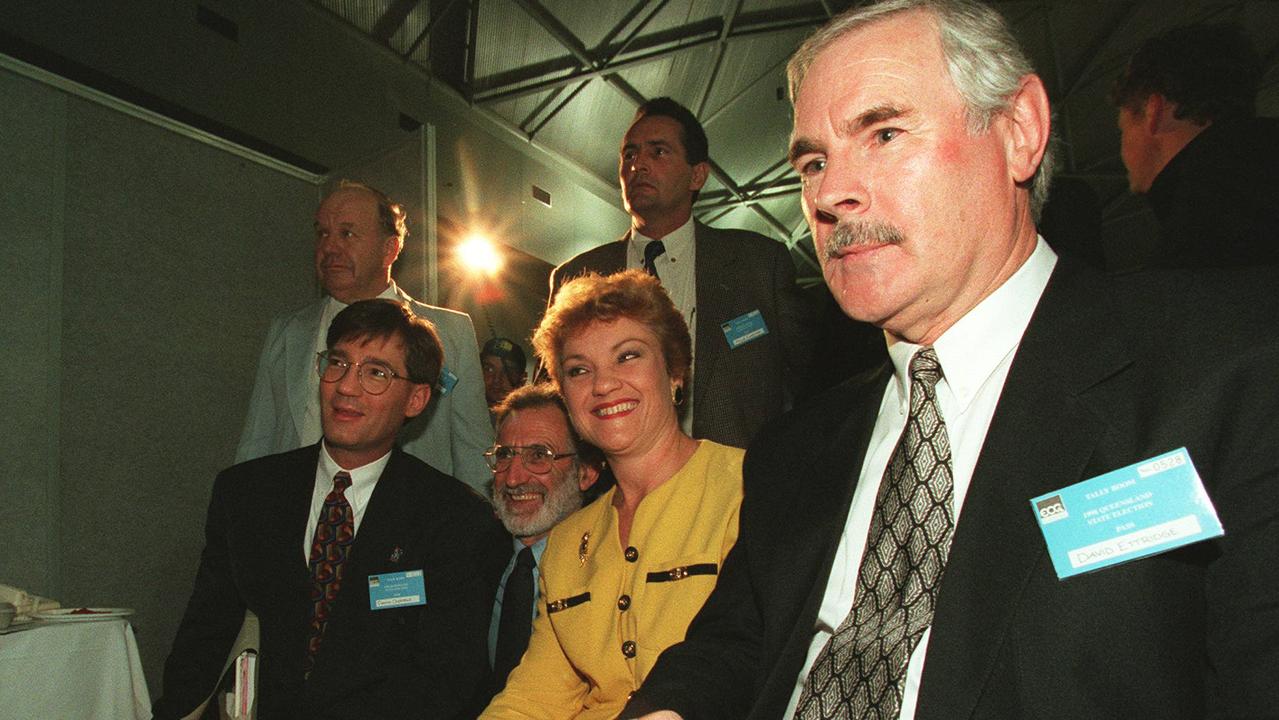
(359,232)
(1193,146)
(541,472)
(1019,515)
(752,337)
(370,572)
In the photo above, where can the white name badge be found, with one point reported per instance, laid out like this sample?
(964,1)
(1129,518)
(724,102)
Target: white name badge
(1144,509)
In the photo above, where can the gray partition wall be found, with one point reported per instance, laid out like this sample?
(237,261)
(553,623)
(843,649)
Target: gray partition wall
(142,264)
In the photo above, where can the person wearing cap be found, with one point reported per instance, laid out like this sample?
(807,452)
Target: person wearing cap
(502,362)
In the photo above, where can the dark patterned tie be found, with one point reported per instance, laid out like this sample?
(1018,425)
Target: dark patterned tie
(861,671)
(330,549)
(516,621)
(653,249)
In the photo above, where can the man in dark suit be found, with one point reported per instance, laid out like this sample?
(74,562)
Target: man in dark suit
(541,474)
(1195,149)
(371,573)
(752,335)
(890,563)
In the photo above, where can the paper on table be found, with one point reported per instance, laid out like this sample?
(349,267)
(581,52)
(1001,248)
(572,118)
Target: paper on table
(27,604)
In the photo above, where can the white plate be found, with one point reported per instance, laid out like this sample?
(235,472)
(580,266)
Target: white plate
(64,615)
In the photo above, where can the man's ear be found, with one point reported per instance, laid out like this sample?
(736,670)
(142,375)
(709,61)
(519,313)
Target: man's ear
(391,250)
(1029,122)
(587,474)
(418,399)
(701,171)
(1158,114)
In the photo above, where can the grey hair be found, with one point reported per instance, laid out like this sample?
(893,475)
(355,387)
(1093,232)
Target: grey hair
(984,60)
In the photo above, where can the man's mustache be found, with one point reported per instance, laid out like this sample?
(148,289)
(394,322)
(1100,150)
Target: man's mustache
(852,233)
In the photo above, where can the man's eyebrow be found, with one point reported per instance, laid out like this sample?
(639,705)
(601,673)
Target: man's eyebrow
(801,146)
(875,115)
(649,143)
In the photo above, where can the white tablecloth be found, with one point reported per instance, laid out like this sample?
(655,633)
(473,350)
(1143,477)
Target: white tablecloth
(87,670)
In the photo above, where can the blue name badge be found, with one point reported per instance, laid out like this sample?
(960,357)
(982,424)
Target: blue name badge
(1133,512)
(447,381)
(741,330)
(397,589)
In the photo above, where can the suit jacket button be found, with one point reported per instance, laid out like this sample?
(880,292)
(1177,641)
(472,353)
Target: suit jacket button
(631,554)
(624,603)
(628,648)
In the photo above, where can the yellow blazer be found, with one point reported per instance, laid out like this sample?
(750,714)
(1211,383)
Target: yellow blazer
(610,611)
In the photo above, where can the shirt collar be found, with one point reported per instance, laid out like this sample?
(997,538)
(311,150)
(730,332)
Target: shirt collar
(392,292)
(360,476)
(678,242)
(539,547)
(971,349)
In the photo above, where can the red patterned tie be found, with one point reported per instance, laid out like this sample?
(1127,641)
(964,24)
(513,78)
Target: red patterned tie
(330,549)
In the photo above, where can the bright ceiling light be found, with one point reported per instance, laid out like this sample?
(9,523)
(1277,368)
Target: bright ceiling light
(479,256)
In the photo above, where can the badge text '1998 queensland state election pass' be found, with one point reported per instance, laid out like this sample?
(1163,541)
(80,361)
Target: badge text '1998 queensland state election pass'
(1133,512)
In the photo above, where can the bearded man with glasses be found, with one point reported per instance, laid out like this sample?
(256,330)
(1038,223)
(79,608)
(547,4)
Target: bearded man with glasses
(542,471)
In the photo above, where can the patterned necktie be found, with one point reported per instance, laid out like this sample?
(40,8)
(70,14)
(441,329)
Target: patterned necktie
(515,623)
(861,671)
(330,549)
(653,249)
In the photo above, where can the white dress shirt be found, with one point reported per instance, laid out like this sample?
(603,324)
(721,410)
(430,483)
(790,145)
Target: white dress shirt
(975,354)
(363,480)
(677,270)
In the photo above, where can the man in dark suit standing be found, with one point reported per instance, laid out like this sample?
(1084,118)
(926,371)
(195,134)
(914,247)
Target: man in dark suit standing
(752,335)
(890,562)
(371,573)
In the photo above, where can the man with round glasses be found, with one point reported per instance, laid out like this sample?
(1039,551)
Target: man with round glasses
(370,572)
(541,472)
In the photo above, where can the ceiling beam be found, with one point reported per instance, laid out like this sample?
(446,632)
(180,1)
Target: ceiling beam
(393,19)
(735,7)
(426,31)
(651,48)
(621,48)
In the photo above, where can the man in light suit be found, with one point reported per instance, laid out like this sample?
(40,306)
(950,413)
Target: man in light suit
(359,233)
(920,135)
(401,631)
(752,338)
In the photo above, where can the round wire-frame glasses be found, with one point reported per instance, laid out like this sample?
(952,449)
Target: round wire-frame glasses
(374,377)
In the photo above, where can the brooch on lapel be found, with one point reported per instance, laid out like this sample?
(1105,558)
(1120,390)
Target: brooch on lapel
(581,549)
(396,554)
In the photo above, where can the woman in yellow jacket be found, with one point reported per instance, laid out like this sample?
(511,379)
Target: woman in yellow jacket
(622,578)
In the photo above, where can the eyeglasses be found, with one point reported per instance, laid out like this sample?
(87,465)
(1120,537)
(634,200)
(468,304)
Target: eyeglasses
(374,377)
(538,459)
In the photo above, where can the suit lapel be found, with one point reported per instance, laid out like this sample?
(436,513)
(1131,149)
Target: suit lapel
(1041,438)
(299,348)
(354,631)
(713,296)
(812,502)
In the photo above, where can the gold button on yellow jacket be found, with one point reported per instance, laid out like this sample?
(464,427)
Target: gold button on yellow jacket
(608,611)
